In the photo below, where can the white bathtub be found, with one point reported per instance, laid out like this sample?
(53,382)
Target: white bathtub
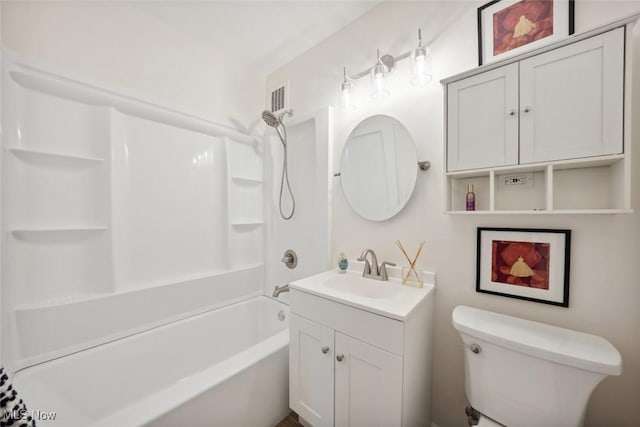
(227,367)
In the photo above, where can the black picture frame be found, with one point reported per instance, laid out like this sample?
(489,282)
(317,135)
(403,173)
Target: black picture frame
(561,29)
(548,251)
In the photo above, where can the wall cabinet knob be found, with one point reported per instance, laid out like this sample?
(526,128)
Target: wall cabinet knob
(475,348)
(340,357)
(512,113)
(325,349)
(527,109)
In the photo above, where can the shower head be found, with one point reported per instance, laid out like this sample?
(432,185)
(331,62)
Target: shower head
(273,119)
(270,118)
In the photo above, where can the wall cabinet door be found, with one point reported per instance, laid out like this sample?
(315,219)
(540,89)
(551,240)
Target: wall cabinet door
(482,120)
(311,371)
(368,385)
(571,100)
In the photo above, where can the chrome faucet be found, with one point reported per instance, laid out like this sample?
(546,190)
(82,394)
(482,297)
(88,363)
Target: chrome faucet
(280,289)
(371,269)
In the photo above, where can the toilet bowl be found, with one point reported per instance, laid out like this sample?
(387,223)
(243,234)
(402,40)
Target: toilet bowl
(530,374)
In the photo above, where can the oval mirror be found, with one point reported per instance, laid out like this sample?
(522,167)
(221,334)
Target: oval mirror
(378,167)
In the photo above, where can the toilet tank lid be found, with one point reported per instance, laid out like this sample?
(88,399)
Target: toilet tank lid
(553,343)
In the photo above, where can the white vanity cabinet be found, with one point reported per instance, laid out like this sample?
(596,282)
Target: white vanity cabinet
(336,377)
(548,131)
(311,370)
(351,366)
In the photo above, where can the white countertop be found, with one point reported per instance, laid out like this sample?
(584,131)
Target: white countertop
(387,298)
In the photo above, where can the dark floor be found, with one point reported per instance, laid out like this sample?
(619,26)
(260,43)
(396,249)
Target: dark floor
(290,421)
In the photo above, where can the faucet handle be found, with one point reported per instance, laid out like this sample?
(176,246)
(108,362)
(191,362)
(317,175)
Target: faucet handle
(367,266)
(383,269)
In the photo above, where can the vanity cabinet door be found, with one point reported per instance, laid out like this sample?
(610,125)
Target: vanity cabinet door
(482,120)
(311,371)
(368,385)
(571,100)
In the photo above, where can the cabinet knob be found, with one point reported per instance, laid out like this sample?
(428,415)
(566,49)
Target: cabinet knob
(325,349)
(340,357)
(526,109)
(512,113)
(475,348)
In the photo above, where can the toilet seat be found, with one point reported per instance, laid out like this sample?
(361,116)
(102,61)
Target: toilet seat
(487,422)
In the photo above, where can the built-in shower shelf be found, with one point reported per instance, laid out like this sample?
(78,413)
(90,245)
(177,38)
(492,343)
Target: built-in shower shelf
(247,180)
(544,212)
(247,223)
(67,300)
(248,266)
(38,155)
(25,232)
(173,283)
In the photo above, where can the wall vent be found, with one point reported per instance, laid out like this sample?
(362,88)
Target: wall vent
(280,98)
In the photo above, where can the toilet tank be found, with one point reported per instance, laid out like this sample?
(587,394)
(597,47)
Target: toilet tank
(529,374)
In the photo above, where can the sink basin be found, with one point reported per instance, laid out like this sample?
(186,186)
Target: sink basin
(388,298)
(360,286)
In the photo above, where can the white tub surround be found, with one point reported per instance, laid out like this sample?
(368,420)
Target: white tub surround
(110,202)
(310,144)
(199,371)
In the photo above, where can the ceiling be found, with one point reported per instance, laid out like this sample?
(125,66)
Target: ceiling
(262,35)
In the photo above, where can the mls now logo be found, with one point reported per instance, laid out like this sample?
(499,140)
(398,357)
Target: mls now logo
(23,415)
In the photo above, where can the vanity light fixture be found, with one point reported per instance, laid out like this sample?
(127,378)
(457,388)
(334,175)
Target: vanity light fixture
(380,79)
(420,63)
(346,99)
(384,66)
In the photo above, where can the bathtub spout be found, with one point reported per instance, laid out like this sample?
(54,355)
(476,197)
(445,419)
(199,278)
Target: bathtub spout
(280,289)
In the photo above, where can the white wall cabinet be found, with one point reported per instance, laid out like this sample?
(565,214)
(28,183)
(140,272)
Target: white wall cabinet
(556,120)
(351,367)
(571,100)
(562,104)
(482,127)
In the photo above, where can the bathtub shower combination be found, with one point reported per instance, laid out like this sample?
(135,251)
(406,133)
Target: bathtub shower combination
(138,245)
(202,370)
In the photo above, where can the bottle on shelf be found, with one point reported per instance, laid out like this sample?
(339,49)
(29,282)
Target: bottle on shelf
(471,198)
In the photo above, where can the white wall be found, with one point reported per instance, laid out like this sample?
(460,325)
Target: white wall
(121,45)
(605,289)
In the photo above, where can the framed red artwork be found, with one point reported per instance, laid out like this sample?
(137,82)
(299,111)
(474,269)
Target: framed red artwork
(524,263)
(511,27)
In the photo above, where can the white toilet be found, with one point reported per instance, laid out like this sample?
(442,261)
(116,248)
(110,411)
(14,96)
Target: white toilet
(520,373)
